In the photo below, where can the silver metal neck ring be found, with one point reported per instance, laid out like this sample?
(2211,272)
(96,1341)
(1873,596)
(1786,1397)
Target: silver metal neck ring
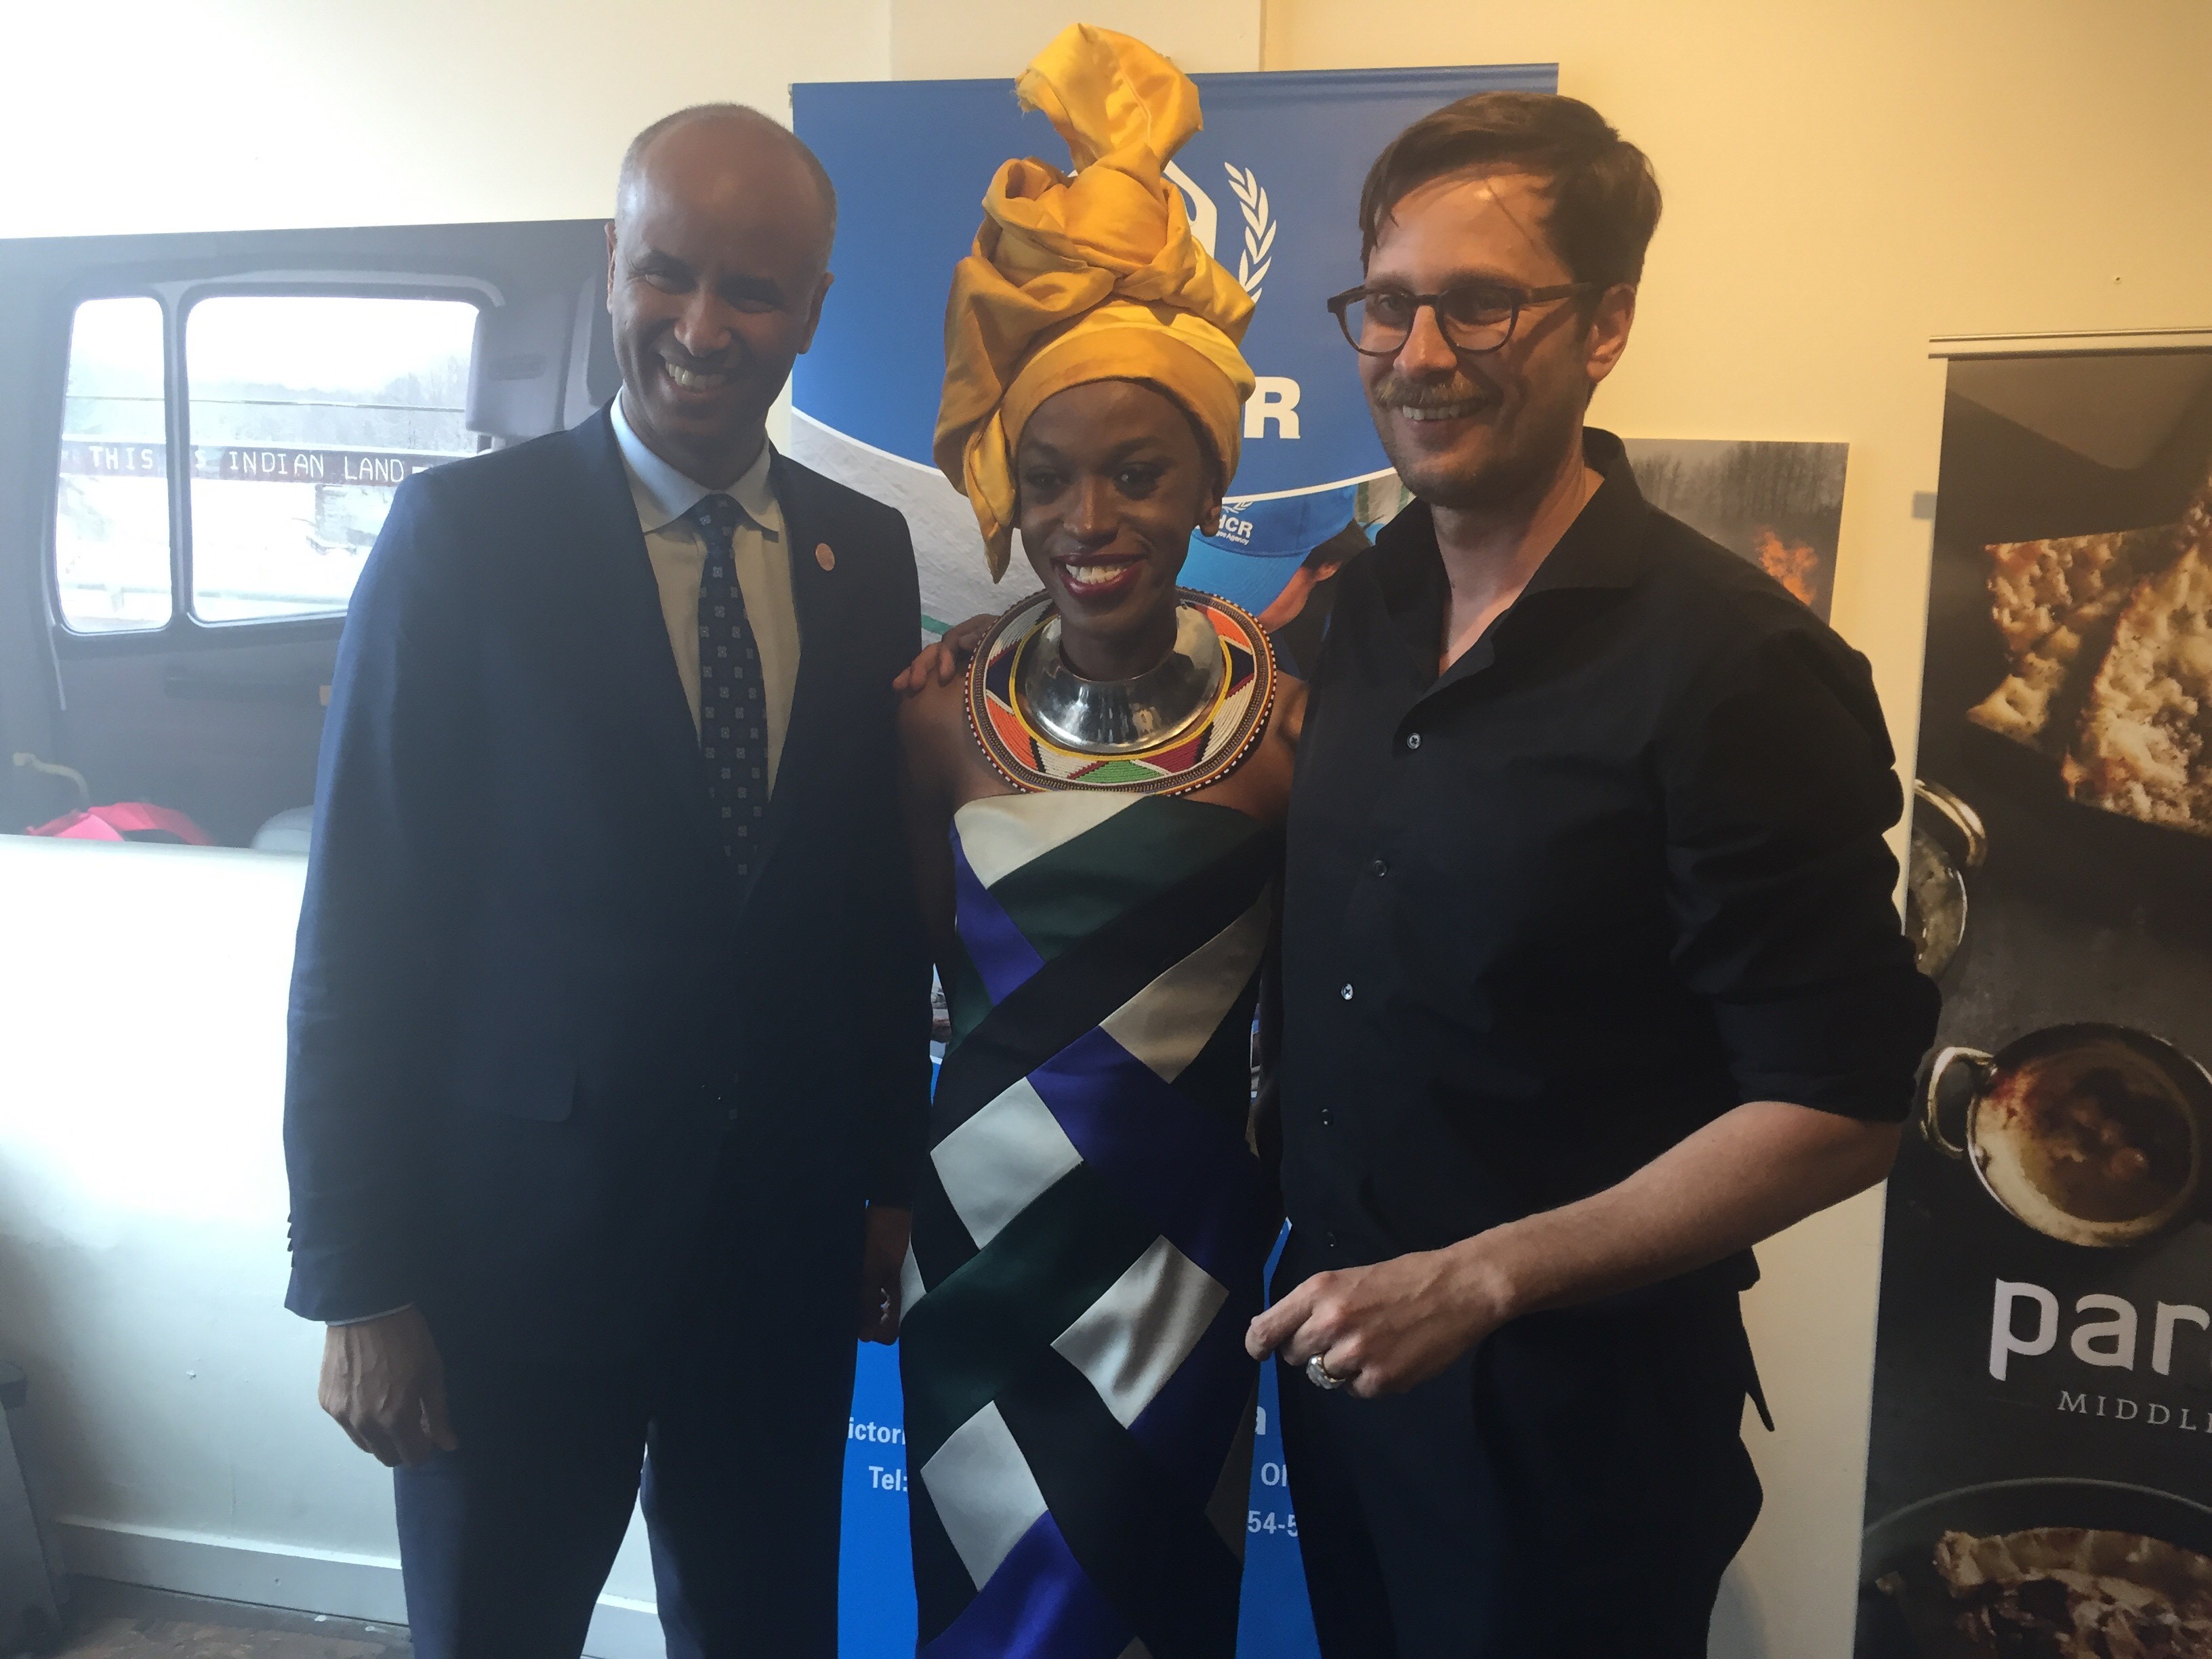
(1121,717)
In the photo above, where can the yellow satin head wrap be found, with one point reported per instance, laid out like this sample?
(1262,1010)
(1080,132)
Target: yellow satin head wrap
(1094,278)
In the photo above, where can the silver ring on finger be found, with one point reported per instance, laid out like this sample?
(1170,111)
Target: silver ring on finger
(1323,1378)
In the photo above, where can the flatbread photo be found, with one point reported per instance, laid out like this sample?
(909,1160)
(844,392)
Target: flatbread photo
(2110,641)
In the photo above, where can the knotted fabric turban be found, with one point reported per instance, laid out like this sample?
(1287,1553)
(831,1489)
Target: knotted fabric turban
(1093,277)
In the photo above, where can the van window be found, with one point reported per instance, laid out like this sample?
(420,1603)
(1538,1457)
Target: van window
(111,497)
(307,413)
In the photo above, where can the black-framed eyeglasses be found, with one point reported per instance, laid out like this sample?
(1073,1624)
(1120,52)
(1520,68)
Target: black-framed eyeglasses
(1473,316)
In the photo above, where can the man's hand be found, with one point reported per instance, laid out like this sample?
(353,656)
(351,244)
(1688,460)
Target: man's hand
(1387,1328)
(946,660)
(1765,1165)
(385,1383)
(881,1261)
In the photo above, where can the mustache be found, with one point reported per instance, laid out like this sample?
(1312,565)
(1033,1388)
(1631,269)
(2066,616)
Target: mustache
(1396,391)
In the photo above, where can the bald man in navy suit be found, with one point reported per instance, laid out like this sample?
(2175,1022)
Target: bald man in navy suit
(608,1020)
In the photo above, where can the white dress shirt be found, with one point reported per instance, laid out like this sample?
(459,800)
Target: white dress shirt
(679,552)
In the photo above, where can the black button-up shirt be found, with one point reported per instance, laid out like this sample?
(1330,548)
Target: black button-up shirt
(1618,870)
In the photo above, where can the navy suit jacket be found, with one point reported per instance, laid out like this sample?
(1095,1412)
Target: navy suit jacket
(532,1011)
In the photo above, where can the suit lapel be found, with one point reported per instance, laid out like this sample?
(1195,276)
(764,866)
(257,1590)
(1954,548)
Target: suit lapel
(815,595)
(626,601)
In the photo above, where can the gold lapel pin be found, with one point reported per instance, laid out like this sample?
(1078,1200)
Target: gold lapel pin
(823,556)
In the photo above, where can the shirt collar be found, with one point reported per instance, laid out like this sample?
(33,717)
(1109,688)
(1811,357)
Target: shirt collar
(663,495)
(1601,550)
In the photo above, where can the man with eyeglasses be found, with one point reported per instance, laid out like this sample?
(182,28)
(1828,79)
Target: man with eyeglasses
(1592,977)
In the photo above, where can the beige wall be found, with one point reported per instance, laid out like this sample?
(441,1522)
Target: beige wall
(1844,181)
(934,39)
(138,115)
(146,115)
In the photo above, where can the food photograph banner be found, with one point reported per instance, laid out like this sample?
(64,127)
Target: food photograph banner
(2039,1479)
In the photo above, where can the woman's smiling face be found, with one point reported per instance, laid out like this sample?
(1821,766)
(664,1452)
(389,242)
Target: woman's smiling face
(1111,480)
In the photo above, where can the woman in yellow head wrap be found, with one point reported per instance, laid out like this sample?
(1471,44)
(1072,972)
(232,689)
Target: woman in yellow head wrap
(1097,814)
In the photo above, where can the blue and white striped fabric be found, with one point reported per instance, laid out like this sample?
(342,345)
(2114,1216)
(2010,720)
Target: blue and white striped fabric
(1090,1235)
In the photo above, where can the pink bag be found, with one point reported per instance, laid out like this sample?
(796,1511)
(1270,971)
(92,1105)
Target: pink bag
(125,820)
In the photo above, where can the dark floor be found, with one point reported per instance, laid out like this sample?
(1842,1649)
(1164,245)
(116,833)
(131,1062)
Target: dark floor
(123,1621)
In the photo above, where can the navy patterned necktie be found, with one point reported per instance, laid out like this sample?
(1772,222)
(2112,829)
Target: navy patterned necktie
(732,713)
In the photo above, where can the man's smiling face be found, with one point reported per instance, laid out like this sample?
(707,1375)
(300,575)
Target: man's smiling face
(717,263)
(1483,430)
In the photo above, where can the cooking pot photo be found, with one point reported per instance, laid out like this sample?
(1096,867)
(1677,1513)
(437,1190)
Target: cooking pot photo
(2090,1133)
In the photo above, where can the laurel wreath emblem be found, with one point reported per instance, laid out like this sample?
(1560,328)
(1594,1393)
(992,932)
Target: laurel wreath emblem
(1258,228)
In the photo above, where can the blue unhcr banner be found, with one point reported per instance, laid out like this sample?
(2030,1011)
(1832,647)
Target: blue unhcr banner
(1272,186)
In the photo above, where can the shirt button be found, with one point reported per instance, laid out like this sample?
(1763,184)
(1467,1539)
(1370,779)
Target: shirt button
(1380,867)
(1346,994)
(1412,740)
(1329,1239)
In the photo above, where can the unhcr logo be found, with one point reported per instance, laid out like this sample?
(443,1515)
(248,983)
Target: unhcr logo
(1274,400)
(1259,249)
(1259,229)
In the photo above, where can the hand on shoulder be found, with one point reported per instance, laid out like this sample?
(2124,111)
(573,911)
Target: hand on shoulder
(932,703)
(945,661)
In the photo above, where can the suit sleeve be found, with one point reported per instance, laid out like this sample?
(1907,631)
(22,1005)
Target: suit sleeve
(892,988)
(365,970)
(1779,787)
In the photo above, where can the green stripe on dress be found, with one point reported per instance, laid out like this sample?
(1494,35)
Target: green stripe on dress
(1068,996)
(984,1323)
(1062,896)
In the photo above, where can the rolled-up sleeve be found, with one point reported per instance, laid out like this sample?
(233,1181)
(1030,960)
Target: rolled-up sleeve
(1779,786)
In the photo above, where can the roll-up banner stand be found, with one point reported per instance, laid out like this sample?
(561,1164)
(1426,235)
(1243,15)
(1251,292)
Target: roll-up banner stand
(1272,187)
(2040,1479)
